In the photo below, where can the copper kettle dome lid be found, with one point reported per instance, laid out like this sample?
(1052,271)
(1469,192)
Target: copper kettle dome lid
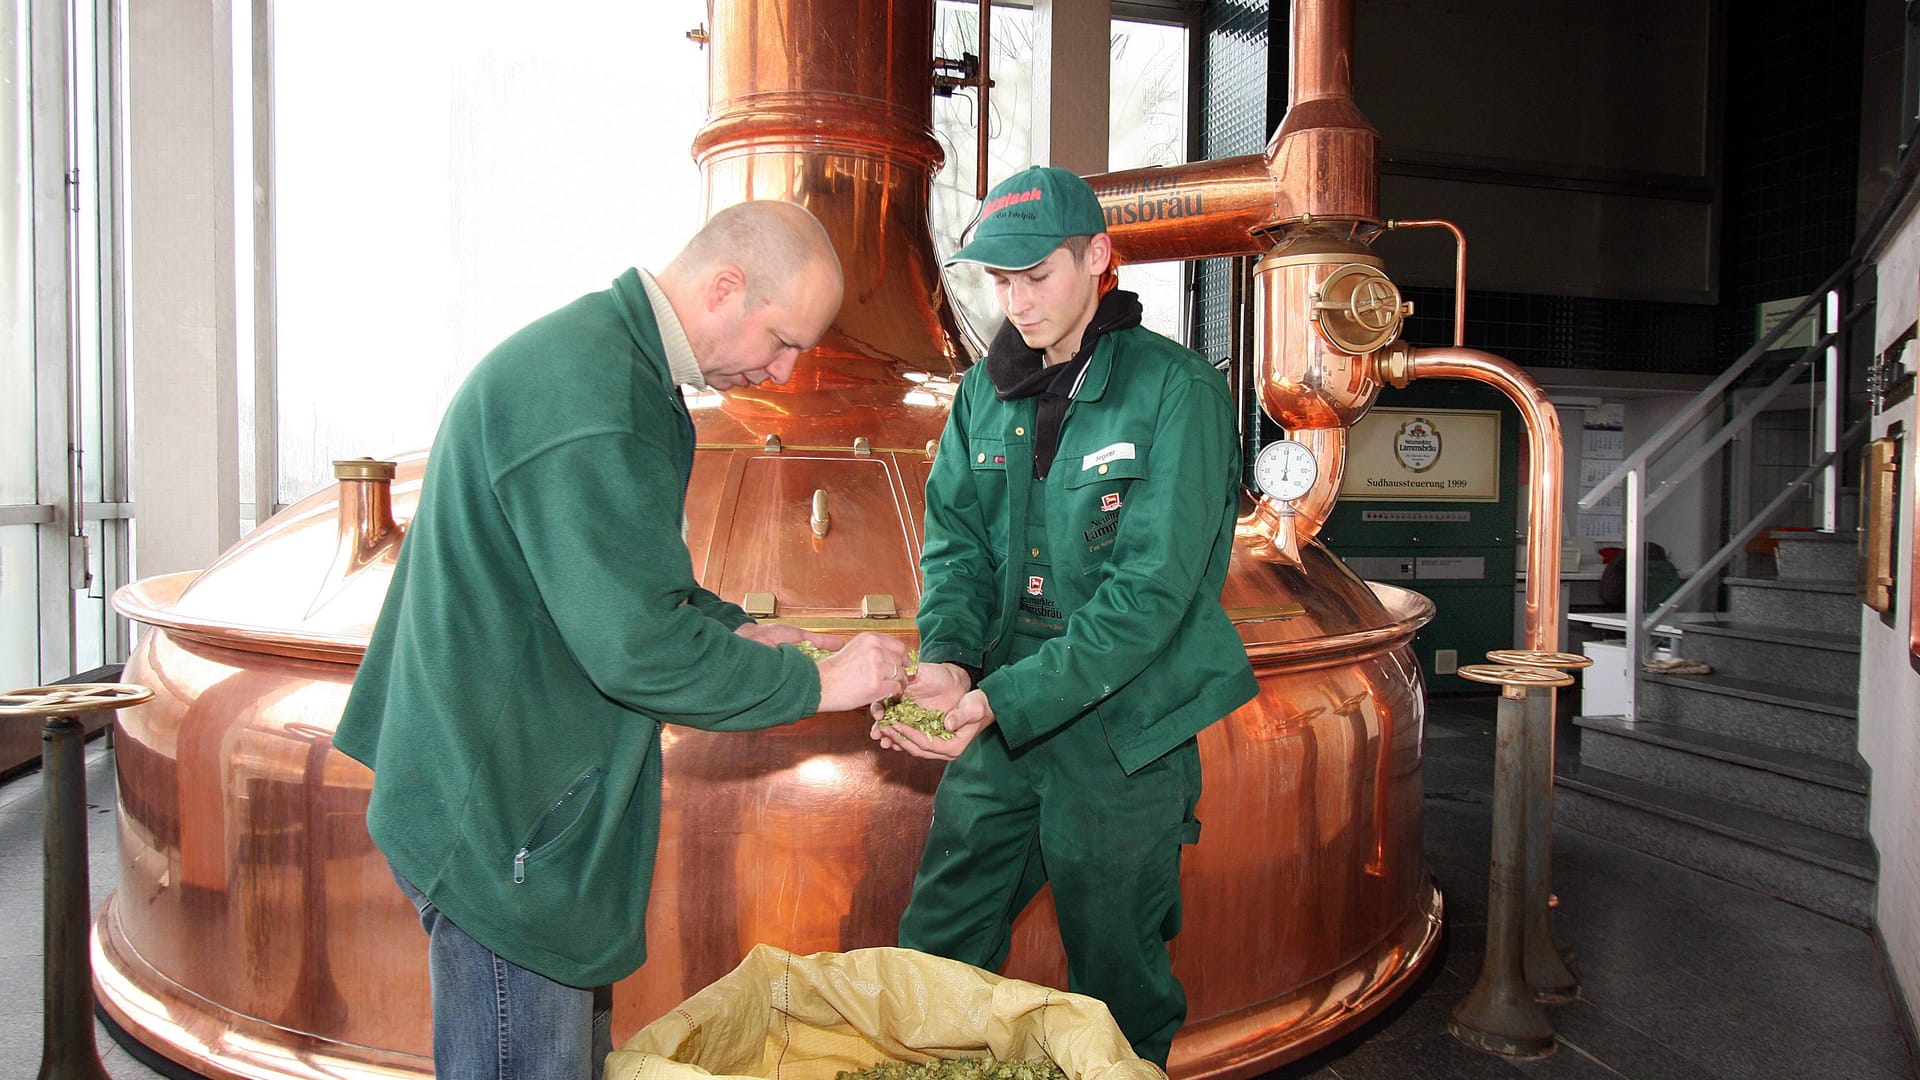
(308,582)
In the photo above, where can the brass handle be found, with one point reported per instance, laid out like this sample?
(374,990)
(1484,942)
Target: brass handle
(819,520)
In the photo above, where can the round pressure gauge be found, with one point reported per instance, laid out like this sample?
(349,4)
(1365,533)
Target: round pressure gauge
(1285,469)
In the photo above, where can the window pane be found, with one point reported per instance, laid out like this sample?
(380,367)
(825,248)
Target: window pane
(17,460)
(477,169)
(89,326)
(90,615)
(1147,126)
(19,608)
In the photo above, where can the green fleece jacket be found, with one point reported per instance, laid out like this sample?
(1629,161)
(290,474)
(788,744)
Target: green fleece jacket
(542,624)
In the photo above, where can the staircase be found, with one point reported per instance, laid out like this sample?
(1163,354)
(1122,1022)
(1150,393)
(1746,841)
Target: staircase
(1750,773)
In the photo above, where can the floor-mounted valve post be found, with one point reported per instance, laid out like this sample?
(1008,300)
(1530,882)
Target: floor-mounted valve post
(1501,1015)
(67,1049)
(1547,970)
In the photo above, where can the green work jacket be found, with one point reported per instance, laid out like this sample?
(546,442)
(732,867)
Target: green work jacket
(1140,505)
(542,624)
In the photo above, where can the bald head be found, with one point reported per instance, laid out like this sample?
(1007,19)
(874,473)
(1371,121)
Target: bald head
(755,287)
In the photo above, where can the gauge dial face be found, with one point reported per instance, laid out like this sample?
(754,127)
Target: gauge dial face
(1285,469)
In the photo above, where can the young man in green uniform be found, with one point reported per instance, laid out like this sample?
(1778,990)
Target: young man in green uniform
(1079,521)
(543,623)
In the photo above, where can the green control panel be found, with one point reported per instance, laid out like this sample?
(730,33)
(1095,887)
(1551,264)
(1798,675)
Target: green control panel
(1430,501)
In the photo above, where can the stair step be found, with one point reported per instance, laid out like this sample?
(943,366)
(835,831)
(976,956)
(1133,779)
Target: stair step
(1810,867)
(1826,606)
(1800,787)
(1816,555)
(1806,658)
(1838,586)
(1766,713)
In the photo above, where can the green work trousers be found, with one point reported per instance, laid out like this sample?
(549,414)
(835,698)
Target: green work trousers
(1061,810)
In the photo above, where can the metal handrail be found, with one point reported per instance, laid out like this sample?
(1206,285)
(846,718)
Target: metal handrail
(1685,419)
(1720,558)
(1641,630)
(1831,343)
(1744,420)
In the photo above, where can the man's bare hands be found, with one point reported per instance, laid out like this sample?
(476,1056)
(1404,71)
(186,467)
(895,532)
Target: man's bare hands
(868,668)
(938,686)
(968,718)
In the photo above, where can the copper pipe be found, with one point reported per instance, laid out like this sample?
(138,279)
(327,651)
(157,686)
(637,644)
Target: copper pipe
(1459,270)
(1329,446)
(1205,209)
(980,185)
(1400,366)
(1321,167)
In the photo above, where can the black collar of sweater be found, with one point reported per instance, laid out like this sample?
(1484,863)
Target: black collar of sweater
(1019,371)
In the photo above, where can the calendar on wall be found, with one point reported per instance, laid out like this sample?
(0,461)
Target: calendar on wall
(1602,445)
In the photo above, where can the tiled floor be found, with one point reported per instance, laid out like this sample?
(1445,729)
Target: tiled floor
(1681,975)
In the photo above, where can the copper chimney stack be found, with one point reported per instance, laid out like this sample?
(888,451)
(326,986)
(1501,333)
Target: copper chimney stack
(830,105)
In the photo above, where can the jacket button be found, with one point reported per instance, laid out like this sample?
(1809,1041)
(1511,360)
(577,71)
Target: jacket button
(1036,553)
(981,458)
(1019,431)
(1103,470)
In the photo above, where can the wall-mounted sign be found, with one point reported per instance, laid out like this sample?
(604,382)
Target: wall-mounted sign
(1445,455)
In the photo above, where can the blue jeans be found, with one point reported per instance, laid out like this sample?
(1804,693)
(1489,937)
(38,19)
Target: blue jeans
(495,1019)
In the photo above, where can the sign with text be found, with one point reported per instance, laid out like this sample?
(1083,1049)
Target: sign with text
(1436,455)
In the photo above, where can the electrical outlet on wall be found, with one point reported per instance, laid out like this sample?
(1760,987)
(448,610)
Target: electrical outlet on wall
(1446,661)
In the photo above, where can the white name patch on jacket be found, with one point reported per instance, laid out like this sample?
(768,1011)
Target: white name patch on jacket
(1120,451)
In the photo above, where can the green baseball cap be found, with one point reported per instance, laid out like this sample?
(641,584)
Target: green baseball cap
(1028,215)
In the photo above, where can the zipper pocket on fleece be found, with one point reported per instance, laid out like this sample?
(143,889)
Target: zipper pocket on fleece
(559,819)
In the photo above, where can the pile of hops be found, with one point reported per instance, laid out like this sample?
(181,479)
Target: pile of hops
(960,1069)
(918,717)
(901,711)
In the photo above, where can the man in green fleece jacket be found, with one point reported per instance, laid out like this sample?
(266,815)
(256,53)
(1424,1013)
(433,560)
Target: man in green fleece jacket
(1079,521)
(543,623)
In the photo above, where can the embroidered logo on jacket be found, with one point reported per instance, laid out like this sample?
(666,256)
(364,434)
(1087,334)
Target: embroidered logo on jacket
(1036,585)
(1099,532)
(1110,502)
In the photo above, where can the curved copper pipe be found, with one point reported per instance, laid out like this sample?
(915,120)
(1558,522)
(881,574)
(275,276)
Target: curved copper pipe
(1401,365)
(1329,446)
(1459,270)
